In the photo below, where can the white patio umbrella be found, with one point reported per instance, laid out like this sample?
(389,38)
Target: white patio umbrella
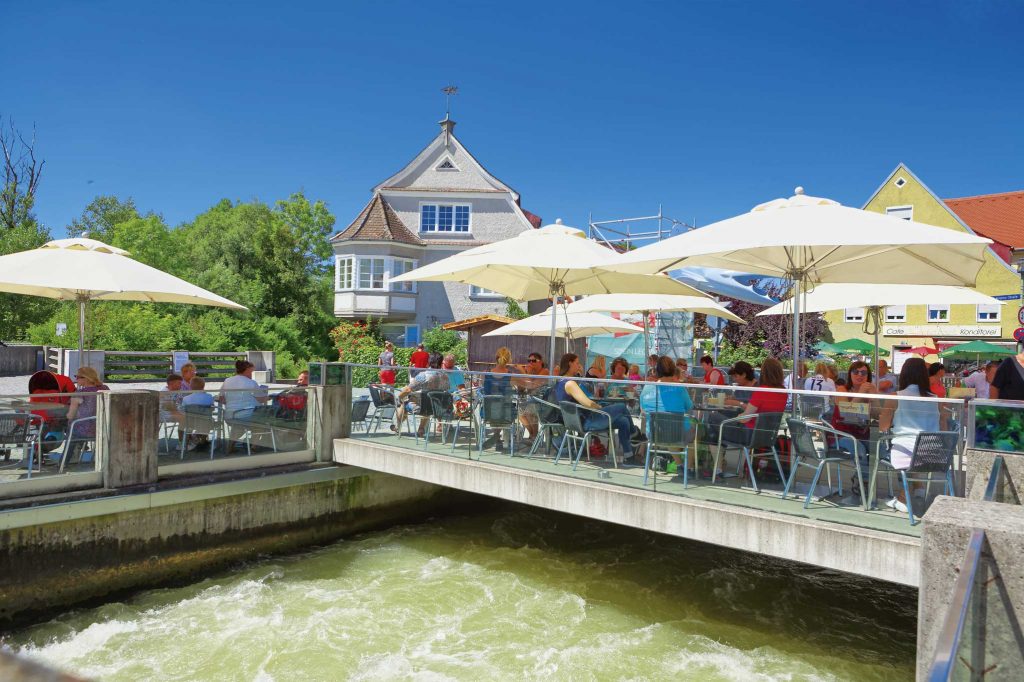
(875,297)
(86,270)
(567,324)
(810,240)
(554,261)
(651,303)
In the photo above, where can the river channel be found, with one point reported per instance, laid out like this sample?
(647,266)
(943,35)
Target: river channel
(508,594)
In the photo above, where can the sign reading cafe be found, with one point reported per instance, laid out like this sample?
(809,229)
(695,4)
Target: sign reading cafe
(933,330)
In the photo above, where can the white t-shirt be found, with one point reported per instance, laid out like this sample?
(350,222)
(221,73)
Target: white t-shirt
(979,383)
(819,383)
(236,398)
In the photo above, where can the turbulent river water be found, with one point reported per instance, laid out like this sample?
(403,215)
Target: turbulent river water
(508,594)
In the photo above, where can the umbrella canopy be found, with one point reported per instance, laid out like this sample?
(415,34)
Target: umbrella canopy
(88,270)
(651,303)
(574,325)
(858,347)
(828,348)
(811,240)
(923,351)
(975,349)
(826,297)
(552,261)
(555,260)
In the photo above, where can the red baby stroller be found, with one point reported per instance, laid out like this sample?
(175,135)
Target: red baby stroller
(52,410)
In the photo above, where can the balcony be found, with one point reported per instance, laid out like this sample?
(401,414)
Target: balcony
(359,304)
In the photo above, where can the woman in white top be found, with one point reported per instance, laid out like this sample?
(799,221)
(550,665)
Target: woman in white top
(909,418)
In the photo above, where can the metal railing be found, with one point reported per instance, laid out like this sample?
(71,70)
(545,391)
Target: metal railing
(960,653)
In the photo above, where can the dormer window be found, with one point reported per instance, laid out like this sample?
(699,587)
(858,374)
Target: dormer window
(444,218)
(447,165)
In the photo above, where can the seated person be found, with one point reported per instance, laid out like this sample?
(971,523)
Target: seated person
(742,373)
(634,373)
(83,406)
(303,378)
(500,385)
(569,390)
(667,396)
(619,369)
(456,377)
(430,379)
(242,396)
(170,400)
(772,376)
(528,386)
(201,400)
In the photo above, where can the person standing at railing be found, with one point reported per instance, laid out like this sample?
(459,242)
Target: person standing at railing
(568,389)
(1008,383)
(386,361)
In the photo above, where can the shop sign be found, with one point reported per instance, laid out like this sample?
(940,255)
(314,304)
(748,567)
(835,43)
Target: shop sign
(941,330)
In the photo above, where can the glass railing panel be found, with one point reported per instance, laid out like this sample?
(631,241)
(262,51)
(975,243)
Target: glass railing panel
(46,434)
(703,439)
(997,425)
(218,424)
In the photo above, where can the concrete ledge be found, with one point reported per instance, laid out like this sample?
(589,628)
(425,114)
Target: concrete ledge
(887,556)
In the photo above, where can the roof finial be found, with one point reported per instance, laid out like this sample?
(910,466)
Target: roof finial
(798,190)
(448,124)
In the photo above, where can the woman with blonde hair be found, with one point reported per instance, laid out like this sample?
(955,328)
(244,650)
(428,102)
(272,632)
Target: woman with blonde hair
(499,385)
(597,370)
(83,405)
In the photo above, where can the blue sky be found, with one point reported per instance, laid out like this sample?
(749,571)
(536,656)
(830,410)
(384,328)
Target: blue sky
(607,108)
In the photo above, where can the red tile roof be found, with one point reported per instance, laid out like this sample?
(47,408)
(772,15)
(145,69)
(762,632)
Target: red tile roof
(1000,217)
(378,222)
(533,218)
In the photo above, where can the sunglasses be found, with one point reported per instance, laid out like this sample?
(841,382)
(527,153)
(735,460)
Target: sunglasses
(534,360)
(859,371)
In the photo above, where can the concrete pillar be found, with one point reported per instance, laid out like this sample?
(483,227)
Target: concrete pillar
(264,362)
(92,358)
(127,427)
(947,529)
(978,468)
(329,416)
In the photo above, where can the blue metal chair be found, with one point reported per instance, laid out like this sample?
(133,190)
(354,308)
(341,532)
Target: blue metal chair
(549,423)
(763,435)
(384,407)
(442,412)
(802,433)
(498,412)
(669,430)
(933,454)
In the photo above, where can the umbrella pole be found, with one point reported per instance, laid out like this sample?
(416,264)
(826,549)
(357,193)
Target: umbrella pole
(647,343)
(551,347)
(797,290)
(81,330)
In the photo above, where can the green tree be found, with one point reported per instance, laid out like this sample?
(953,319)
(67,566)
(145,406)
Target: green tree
(101,216)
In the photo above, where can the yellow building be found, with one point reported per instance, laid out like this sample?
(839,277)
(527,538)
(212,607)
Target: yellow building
(939,325)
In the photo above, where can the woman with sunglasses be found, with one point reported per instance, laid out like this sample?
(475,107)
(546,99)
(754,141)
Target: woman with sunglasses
(858,381)
(527,387)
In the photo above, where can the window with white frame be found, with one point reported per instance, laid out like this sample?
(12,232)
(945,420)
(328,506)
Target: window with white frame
(344,273)
(444,217)
(854,315)
(480,292)
(938,312)
(904,212)
(988,312)
(371,273)
(400,266)
(896,313)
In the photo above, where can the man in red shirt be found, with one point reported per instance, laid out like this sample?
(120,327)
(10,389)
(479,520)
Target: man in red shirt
(712,376)
(419,359)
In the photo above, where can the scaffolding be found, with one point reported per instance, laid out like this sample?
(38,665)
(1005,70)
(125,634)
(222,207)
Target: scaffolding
(672,333)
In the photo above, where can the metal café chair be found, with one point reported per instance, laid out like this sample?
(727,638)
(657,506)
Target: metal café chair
(382,407)
(813,407)
(16,432)
(360,414)
(804,447)
(442,413)
(573,419)
(762,436)
(249,428)
(933,454)
(199,420)
(549,424)
(69,449)
(498,412)
(669,430)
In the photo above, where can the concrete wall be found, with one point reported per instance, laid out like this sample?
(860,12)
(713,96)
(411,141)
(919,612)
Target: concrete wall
(978,468)
(887,556)
(947,530)
(17,360)
(53,557)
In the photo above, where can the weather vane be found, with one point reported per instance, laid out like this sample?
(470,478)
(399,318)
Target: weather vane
(448,92)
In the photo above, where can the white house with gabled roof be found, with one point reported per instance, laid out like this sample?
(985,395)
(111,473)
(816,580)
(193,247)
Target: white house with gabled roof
(441,202)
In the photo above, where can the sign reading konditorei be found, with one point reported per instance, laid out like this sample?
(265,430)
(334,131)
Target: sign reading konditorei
(932,330)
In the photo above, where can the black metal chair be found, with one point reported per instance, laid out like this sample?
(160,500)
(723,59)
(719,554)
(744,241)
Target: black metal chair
(669,430)
(16,432)
(442,411)
(575,431)
(933,454)
(498,412)
(733,432)
(804,447)
(384,407)
(360,414)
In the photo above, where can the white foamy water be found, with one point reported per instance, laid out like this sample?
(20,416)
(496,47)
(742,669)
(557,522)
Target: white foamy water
(510,595)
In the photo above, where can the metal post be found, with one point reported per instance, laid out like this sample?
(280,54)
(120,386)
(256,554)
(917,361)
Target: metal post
(554,312)
(797,290)
(81,329)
